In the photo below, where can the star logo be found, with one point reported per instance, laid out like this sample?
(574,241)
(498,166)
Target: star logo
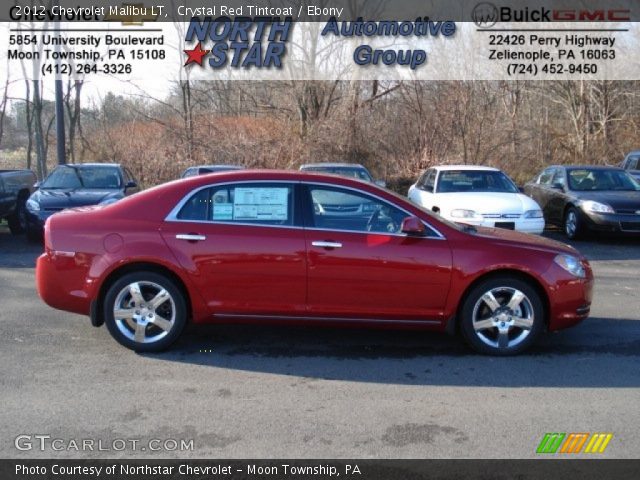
(195,55)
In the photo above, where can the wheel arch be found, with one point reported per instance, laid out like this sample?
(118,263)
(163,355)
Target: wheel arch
(97,317)
(502,272)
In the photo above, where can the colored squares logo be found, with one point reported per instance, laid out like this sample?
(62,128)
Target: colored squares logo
(574,443)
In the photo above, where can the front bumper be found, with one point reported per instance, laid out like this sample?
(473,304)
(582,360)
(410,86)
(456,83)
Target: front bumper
(525,225)
(36,220)
(612,222)
(569,298)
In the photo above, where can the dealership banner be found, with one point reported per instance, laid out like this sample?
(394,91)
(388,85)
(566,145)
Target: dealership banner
(141,43)
(322,468)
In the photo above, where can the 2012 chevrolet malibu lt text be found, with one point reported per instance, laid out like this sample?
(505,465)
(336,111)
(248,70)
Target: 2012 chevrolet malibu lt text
(303,248)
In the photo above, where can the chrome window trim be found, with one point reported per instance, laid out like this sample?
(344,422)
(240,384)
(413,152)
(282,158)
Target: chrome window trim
(173,214)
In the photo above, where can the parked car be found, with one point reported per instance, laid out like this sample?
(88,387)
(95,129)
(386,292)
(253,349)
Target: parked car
(631,164)
(77,185)
(476,195)
(15,188)
(307,249)
(583,198)
(204,169)
(350,170)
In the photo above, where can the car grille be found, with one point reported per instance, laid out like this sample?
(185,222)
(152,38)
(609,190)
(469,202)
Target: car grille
(342,209)
(628,211)
(501,215)
(630,226)
(53,209)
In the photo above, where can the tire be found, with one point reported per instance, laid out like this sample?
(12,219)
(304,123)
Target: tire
(143,326)
(18,221)
(498,328)
(572,224)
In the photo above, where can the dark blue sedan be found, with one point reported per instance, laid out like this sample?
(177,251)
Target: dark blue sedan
(79,185)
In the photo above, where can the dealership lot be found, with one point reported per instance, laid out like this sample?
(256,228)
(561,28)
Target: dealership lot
(295,392)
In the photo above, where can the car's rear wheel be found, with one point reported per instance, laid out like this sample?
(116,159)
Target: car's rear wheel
(145,311)
(572,224)
(502,316)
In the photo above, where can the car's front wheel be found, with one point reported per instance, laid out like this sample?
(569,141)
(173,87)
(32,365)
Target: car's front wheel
(145,311)
(572,224)
(502,316)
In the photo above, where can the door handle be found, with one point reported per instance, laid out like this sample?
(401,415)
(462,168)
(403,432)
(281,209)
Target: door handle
(324,244)
(190,237)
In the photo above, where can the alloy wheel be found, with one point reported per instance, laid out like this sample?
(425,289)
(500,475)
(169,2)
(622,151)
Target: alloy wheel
(503,317)
(144,312)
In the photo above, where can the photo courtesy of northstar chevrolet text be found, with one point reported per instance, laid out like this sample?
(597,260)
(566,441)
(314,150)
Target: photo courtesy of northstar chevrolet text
(367,239)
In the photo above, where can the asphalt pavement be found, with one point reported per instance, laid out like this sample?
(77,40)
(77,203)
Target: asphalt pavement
(282,392)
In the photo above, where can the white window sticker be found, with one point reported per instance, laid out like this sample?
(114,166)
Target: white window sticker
(260,203)
(223,211)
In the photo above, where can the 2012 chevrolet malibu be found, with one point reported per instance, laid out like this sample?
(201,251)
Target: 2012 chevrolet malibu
(303,248)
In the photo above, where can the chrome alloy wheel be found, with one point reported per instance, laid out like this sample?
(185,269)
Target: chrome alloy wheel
(144,312)
(503,317)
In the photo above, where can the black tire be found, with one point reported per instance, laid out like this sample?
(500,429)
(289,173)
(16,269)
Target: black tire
(18,221)
(572,224)
(474,305)
(121,331)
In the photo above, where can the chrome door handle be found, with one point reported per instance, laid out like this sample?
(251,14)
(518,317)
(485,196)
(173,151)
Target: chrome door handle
(191,237)
(322,244)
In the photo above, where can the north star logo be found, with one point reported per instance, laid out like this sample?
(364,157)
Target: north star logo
(240,43)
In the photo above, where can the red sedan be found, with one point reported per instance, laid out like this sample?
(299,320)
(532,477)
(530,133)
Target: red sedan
(303,248)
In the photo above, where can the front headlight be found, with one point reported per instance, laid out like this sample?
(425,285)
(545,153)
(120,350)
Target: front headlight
(33,206)
(460,213)
(533,214)
(596,207)
(571,264)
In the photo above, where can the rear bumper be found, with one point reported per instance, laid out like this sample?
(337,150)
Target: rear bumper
(62,283)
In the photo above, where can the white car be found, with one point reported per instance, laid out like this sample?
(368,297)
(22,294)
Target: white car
(474,195)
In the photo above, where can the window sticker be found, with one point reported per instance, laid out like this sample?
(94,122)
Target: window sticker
(223,211)
(260,203)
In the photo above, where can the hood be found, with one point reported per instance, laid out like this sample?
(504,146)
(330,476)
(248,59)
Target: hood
(485,202)
(617,200)
(527,240)
(69,198)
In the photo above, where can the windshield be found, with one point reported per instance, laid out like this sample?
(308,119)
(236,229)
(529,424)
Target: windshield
(74,177)
(351,172)
(475,181)
(592,180)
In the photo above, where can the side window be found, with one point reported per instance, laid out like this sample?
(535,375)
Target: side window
(261,204)
(128,177)
(558,177)
(546,176)
(632,163)
(347,210)
(430,182)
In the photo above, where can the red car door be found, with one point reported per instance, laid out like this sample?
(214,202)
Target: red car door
(361,266)
(242,247)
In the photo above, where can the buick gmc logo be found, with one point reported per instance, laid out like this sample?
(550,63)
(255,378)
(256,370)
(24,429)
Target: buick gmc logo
(486,15)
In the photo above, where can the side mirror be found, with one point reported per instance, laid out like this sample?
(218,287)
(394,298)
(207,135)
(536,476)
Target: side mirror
(381,183)
(413,226)
(37,185)
(131,184)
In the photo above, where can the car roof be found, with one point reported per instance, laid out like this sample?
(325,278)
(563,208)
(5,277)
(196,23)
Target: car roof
(589,167)
(444,168)
(90,164)
(218,165)
(331,165)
